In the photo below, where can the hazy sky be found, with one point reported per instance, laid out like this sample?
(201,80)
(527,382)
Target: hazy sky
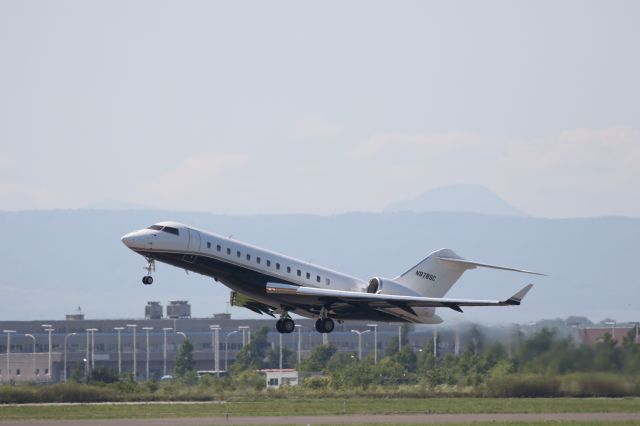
(319,107)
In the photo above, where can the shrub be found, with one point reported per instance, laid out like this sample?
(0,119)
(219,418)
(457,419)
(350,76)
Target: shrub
(523,386)
(316,382)
(598,385)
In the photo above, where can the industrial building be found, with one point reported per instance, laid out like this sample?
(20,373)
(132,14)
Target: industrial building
(125,345)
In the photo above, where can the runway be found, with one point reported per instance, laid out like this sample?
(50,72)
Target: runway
(337,419)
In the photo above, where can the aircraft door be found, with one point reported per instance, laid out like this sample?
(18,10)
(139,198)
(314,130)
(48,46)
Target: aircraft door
(194,241)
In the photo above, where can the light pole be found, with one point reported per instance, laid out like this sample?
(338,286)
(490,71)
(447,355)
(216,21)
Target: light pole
(360,333)
(435,343)
(65,354)
(147,329)
(215,347)
(280,350)
(183,334)
(119,330)
(93,347)
(34,352)
(164,350)
(49,328)
(244,329)
(226,349)
(375,342)
(400,338)
(86,360)
(299,327)
(135,360)
(8,332)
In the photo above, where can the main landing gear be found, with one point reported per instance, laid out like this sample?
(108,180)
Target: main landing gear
(325,325)
(285,325)
(151,267)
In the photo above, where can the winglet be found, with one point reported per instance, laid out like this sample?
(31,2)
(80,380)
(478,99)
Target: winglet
(517,298)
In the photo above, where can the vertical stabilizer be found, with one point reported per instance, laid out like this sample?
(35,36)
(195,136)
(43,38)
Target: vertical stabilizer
(432,277)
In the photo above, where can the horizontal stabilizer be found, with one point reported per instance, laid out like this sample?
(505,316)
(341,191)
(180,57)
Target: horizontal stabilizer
(468,264)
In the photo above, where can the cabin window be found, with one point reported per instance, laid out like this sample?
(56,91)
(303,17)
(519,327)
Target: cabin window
(268,263)
(317,278)
(308,275)
(229,251)
(328,281)
(288,269)
(277,266)
(258,259)
(208,244)
(299,272)
(17,372)
(218,247)
(248,256)
(238,253)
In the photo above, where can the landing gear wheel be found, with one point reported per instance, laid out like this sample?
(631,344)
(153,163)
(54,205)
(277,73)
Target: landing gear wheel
(288,325)
(325,325)
(147,280)
(285,325)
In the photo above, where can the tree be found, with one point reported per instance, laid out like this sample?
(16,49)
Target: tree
(184,359)
(252,355)
(392,346)
(406,358)
(318,359)
(273,358)
(103,375)
(77,374)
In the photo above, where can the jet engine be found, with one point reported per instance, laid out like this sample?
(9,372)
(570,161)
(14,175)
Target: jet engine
(387,286)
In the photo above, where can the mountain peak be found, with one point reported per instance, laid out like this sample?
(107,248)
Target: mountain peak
(466,198)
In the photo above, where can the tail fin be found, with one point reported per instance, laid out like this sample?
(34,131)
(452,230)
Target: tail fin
(438,272)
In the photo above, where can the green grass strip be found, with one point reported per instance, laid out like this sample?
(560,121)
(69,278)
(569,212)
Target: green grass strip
(321,406)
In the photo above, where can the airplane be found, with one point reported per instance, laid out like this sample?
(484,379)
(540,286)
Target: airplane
(274,284)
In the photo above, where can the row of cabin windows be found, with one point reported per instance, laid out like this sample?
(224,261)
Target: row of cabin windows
(258,260)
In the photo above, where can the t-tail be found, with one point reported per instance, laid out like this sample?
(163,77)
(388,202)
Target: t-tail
(437,273)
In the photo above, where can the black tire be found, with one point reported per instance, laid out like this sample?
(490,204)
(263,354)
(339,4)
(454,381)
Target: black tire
(149,280)
(325,325)
(280,326)
(288,325)
(328,325)
(144,280)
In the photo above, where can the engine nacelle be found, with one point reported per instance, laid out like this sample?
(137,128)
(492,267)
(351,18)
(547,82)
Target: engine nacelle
(387,286)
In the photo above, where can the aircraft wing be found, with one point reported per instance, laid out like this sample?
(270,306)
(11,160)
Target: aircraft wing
(381,301)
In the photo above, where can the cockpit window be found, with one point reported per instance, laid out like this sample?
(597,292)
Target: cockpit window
(168,229)
(171,230)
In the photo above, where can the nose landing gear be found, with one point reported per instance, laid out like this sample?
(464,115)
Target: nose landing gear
(151,267)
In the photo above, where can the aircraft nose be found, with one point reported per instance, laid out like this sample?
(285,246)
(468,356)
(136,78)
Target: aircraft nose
(129,239)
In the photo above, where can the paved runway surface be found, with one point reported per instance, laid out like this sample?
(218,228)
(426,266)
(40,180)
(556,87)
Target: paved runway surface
(344,419)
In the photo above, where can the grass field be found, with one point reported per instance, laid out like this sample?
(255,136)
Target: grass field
(292,407)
